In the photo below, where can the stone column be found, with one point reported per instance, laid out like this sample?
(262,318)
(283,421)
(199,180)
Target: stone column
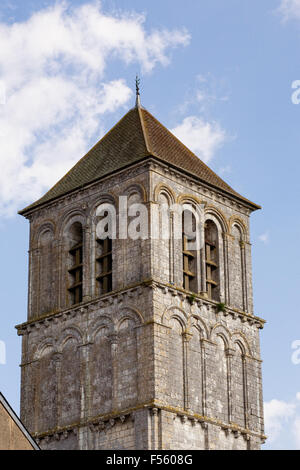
(229,354)
(24,372)
(62,274)
(199,271)
(30,282)
(57,357)
(245,388)
(202,264)
(186,339)
(38,281)
(92,257)
(203,376)
(244,276)
(154,420)
(259,391)
(85,393)
(86,284)
(114,348)
(171,248)
(54,275)
(28,385)
(205,428)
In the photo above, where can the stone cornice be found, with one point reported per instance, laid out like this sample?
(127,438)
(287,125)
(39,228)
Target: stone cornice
(134,291)
(201,299)
(158,166)
(102,422)
(103,301)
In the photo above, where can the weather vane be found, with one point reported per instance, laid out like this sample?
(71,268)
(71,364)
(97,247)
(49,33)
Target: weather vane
(137,87)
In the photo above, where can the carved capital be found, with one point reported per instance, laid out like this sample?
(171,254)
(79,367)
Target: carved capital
(56,357)
(154,411)
(226,236)
(183,418)
(230,352)
(186,336)
(113,338)
(204,425)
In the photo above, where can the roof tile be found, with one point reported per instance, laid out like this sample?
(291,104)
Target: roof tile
(136,136)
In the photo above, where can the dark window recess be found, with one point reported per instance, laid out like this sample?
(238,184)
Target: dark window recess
(189,258)
(188,261)
(104,265)
(211,261)
(76,273)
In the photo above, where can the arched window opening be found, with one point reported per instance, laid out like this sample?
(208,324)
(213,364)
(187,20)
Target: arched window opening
(212,260)
(76,265)
(104,263)
(189,256)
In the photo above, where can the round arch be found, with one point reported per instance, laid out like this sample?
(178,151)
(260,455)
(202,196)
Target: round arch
(173,312)
(67,333)
(128,313)
(218,215)
(162,188)
(221,330)
(238,222)
(136,188)
(239,338)
(48,225)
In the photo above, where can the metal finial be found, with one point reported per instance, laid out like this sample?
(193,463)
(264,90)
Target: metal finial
(137,87)
(137,84)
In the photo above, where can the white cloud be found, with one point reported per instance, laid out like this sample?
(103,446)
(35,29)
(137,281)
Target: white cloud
(264,237)
(198,131)
(289,9)
(204,138)
(282,422)
(276,415)
(53,71)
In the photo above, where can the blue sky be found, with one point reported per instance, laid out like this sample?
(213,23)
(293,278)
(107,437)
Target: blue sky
(219,74)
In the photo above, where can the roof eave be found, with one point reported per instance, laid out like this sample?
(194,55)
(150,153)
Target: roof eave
(251,205)
(240,198)
(31,208)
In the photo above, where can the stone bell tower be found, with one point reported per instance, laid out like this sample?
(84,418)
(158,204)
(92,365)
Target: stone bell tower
(141,343)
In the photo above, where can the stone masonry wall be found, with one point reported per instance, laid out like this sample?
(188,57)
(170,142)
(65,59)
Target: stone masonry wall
(148,365)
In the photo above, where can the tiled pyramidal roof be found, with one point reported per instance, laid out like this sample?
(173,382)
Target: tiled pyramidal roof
(137,136)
